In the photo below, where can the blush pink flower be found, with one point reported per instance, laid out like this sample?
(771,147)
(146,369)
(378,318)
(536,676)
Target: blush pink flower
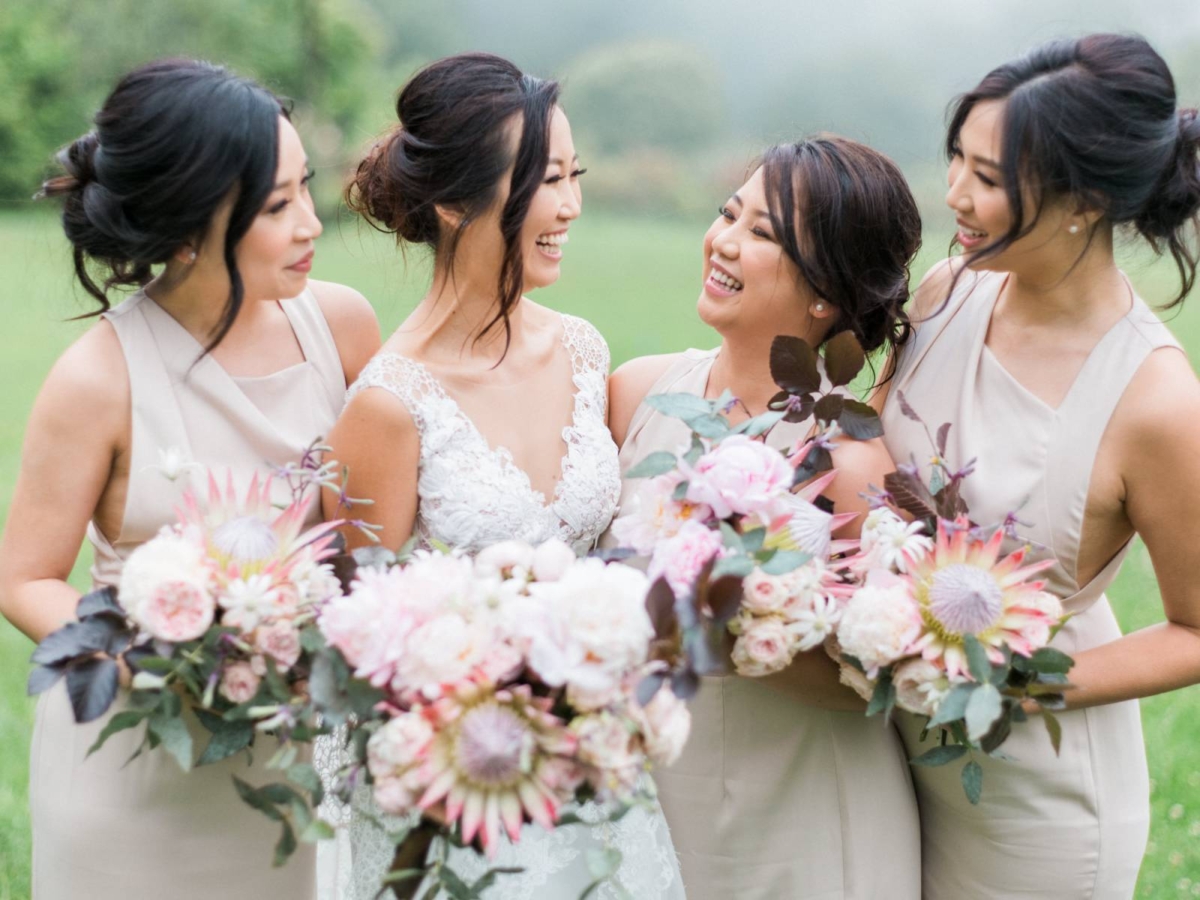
(680,558)
(281,641)
(740,476)
(239,684)
(666,724)
(764,646)
(166,587)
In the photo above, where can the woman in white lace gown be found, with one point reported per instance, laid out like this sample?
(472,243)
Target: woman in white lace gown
(483,416)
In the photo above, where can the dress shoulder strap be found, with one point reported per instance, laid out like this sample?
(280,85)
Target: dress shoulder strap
(405,379)
(589,350)
(316,341)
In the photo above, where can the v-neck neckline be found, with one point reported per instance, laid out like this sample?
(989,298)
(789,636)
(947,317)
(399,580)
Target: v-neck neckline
(1092,354)
(501,453)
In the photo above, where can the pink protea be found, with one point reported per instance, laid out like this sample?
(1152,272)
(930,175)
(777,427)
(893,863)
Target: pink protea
(964,587)
(248,536)
(488,762)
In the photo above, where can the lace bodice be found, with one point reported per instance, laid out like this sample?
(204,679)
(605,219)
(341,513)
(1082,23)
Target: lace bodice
(497,501)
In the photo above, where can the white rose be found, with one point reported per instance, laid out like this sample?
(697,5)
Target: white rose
(166,587)
(878,625)
(920,686)
(604,741)
(762,593)
(666,724)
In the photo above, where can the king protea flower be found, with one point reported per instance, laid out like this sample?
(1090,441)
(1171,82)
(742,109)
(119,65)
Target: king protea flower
(250,537)
(496,762)
(963,587)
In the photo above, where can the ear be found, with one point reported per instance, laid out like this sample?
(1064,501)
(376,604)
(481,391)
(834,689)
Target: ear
(821,309)
(186,254)
(451,218)
(1086,214)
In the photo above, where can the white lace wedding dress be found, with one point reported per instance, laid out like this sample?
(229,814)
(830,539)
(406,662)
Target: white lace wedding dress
(472,496)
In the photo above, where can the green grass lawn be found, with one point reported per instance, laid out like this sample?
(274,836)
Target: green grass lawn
(637,280)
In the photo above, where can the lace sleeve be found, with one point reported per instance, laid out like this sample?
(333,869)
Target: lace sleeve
(589,351)
(406,379)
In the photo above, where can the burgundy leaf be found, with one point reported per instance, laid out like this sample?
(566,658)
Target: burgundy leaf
(802,411)
(660,604)
(910,495)
(794,365)
(844,358)
(908,411)
(817,461)
(92,687)
(779,401)
(829,407)
(859,421)
(942,434)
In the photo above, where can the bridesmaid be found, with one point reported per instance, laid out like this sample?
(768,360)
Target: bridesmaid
(1083,416)
(193,189)
(785,788)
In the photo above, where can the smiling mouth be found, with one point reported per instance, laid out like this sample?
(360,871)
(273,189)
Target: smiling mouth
(728,282)
(552,242)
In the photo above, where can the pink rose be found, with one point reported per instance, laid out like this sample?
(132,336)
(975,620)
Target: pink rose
(666,724)
(604,740)
(281,641)
(561,775)
(763,593)
(398,795)
(239,684)
(763,647)
(398,745)
(166,588)
(177,611)
(740,475)
(681,557)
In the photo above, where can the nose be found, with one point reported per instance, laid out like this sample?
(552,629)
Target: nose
(957,196)
(725,242)
(571,204)
(309,227)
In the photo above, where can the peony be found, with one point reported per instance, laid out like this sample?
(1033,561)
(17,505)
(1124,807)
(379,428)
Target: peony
(920,686)
(399,744)
(879,625)
(239,683)
(368,626)
(281,641)
(655,514)
(680,558)
(552,560)
(666,724)
(764,646)
(740,476)
(592,627)
(503,557)
(764,594)
(605,741)
(166,588)
(442,651)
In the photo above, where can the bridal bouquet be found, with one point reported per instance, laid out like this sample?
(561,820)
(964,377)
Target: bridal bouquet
(210,614)
(733,513)
(506,688)
(950,627)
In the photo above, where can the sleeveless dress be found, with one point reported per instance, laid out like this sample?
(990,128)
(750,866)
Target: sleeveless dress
(109,831)
(772,798)
(470,496)
(1073,825)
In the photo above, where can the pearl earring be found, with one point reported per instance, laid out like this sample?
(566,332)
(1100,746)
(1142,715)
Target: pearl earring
(192,256)
(1074,229)
(820,307)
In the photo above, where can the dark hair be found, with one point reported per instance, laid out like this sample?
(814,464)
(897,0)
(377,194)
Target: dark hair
(844,214)
(1095,118)
(172,141)
(451,149)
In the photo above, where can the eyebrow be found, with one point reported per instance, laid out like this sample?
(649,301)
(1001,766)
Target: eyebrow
(984,161)
(557,161)
(758,213)
(283,184)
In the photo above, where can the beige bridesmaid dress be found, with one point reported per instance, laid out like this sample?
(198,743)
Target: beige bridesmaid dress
(1067,826)
(105,830)
(773,799)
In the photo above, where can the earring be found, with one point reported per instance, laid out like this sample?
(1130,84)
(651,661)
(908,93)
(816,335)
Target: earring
(1074,229)
(820,307)
(191,256)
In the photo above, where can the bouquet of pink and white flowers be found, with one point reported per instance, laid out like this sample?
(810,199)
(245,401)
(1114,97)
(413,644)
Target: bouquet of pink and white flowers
(949,627)
(209,614)
(506,688)
(732,513)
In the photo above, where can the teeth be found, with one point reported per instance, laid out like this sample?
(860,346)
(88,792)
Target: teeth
(975,234)
(725,280)
(552,240)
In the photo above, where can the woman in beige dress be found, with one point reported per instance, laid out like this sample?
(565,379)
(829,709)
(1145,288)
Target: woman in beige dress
(193,188)
(785,788)
(1083,417)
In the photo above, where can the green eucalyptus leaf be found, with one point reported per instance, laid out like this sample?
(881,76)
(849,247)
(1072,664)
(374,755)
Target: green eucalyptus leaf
(884,696)
(977,659)
(680,405)
(983,709)
(287,844)
(658,463)
(172,732)
(940,756)
(759,424)
(972,781)
(740,566)
(953,705)
(603,863)
(752,540)
(122,721)
(1050,661)
(785,561)
(711,426)
(455,886)
(228,737)
(1054,727)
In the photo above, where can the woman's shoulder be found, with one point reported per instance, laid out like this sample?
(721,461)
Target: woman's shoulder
(632,382)
(352,323)
(90,382)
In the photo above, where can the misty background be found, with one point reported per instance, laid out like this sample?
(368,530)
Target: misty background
(670,100)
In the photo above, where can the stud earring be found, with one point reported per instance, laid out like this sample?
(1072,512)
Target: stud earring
(192,256)
(1074,229)
(820,307)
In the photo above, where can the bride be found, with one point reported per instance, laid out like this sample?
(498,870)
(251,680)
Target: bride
(483,416)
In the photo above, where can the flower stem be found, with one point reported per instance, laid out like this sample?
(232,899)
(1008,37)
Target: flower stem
(411,854)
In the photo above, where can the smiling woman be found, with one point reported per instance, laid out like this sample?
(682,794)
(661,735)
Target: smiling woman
(193,190)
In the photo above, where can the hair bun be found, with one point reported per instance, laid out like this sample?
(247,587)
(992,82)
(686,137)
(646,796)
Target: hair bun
(383,187)
(78,160)
(1176,201)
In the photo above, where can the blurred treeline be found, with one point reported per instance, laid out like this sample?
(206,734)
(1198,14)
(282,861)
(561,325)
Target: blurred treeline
(670,100)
